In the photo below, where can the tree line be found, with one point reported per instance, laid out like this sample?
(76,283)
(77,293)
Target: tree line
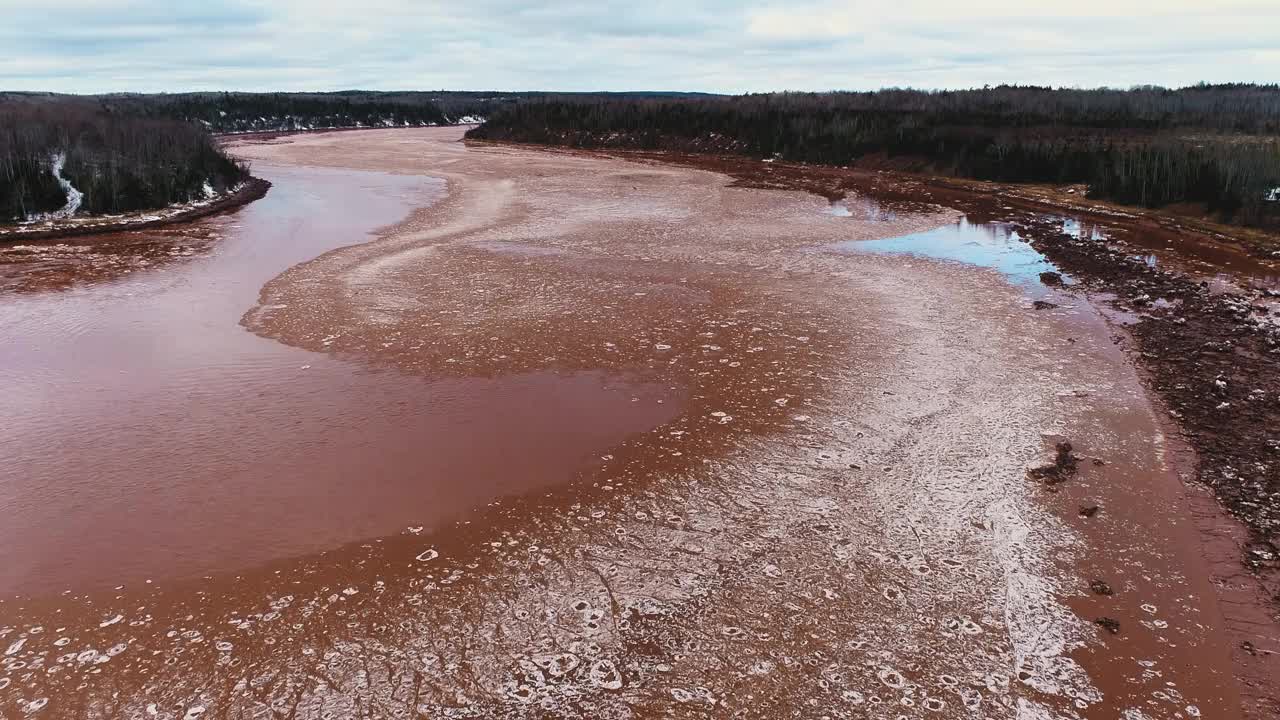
(256,112)
(119,162)
(235,112)
(1217,146)
(129,151)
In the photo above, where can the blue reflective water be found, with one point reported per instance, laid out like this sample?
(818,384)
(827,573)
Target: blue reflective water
(992,245)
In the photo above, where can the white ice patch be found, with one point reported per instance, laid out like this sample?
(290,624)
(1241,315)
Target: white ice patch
(57,162)
(1039,626)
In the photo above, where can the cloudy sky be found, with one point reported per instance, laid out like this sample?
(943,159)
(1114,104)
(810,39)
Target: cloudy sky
(718,46)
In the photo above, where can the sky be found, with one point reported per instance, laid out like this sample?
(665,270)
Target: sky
(92,46)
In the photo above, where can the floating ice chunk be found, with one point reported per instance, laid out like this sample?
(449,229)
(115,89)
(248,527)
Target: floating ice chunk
(605,674)
(557,665)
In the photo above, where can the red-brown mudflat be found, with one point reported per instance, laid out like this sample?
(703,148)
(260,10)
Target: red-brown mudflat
(438,430)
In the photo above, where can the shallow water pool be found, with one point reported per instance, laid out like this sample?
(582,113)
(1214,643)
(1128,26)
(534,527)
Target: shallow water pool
(991,245)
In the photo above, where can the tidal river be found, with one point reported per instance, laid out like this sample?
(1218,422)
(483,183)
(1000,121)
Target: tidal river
(447,430)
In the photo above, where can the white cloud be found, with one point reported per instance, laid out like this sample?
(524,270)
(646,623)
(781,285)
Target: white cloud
(723,45)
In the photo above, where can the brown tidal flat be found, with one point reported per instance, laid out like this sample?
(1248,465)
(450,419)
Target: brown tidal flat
(579,437)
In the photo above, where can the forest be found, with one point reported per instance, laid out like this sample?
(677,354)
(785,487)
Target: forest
(122,152)
(75,155)
(239,112)
(1215,147)
(258,112)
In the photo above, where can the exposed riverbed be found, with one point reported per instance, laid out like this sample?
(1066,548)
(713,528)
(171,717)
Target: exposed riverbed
(486,432)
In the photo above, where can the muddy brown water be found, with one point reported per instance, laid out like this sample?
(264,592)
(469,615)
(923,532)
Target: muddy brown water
(582,438)
(147,436)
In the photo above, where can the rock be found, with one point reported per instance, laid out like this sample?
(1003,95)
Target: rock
(1089,510)
(1110,625)
(1100,587)
(1043,305)
(1051,278)
(1063,466)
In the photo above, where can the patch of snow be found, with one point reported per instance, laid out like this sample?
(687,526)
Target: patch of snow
(74,197)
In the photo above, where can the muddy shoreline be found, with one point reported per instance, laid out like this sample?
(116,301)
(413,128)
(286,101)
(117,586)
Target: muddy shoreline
(1210,357)
(1187,343)
(266,135)
(254,189)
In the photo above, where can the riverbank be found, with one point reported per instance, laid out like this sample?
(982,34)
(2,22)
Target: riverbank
(265,135)
(1197,308)
(252,189)
(1205,314)
(79,226)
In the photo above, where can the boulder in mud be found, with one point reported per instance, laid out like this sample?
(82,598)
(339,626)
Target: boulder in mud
(1063,466)
(1052,279)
